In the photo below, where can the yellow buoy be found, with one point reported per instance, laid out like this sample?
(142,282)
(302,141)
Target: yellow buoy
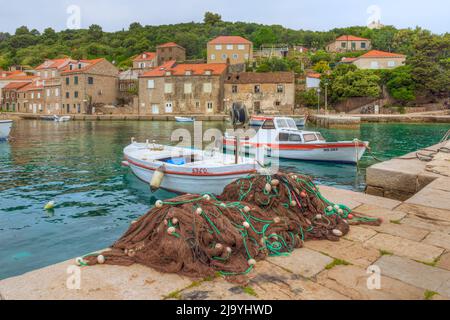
(50,205)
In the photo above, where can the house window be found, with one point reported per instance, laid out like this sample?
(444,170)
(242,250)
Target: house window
(353,45)
(75,80)
(229,47)
(209,106)
(168,88)
(150,84)
(197,105)
(241,47)
(79,66)
(39,95)
(67,95)
(218,47)
(45,74)
(142,65)
(155,109)
(188,72)
(234,89)
(90,80)
(363,45)
(207,87)
(235,56)
(48,92)
(53,74)
(257,88)
(374,65)
(56,92)
(32,95)
(76,94)
(343,45)
(67,81)
(246,56)
(224,56)
(213,57)
(391,64)
(188,88)
(277,103)
(280,88)
(71,67)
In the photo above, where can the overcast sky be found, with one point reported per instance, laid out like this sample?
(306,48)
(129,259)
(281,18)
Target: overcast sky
(115,15)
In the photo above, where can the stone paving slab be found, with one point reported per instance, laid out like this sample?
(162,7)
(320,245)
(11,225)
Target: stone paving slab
(360,234)
(354,199)
(434,195)
(97,283)
(427,213)
(438,239)
(215,290)
(426,224)
(350,251)
(400,230)
(304,262)
(444,261)
(405,248)
(352,281)
(380,212)
(416,274)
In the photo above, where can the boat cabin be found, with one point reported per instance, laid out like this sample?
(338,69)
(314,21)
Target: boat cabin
(284,130)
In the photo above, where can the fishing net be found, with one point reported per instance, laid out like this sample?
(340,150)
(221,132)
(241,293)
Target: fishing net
(255,217)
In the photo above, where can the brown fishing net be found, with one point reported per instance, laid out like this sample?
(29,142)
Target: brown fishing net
(255,217)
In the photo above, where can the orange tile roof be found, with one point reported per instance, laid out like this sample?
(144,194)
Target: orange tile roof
(15,85)
(348,59)
(180,69)
(90,64)
(350,38)
(169,44)
(149,56)
(314,75)
(54,64)
(230,40)
(32,86)
(381,54)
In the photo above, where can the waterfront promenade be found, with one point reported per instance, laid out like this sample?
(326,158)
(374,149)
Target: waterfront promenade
(411,249)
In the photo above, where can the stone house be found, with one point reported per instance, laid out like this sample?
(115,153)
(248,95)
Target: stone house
(230,49)
(313,80)
(31,98)
(145,61)
(186,89)
(11,95)
(170,51)
(7,77)
(86,84)
(376,59)
(51,69)
(262,93)
(349,43)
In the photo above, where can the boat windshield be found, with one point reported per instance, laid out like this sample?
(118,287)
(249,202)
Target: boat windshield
(286,124)
(320,136)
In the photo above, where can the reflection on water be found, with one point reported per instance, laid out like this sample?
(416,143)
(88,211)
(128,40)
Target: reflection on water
(77,165)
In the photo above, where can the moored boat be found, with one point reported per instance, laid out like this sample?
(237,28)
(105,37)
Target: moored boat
(186,170)
(280,137)
(62,118)
(184,119)
(5,128)
(258,121)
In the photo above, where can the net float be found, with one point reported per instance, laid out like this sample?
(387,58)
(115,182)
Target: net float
(171,230)
(337,233)
(159,204)
(303,194)
(207,197)
(336,207)
(101,259)
(247,209)
(319,217)
(246,225)
(251,262)
(341,212)
(277,220)
(219,246)
(330,208)
(131,253)
(79,261)
(174,221)
(350,216)
(275,183)
(199,211)
(293,203)
(229,250)
(268,187)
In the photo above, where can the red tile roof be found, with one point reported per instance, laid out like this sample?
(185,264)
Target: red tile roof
(381,54)
(181,69)
(314,75)
(348,60)
(146,56)
(350,38)
(54,64)
(15,85)
(32,86)
(230,40)
(89,64)
(169,44)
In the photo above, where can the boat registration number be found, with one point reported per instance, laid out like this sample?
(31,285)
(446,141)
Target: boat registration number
(200,171)
(331,150)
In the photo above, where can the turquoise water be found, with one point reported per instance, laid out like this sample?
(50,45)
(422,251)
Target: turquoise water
(77,165)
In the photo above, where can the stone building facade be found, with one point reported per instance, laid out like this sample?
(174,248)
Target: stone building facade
(185,89)
(145,61)
(349,43)
(31,98)
(11,96)
(86,84)
(170,51)
(230,49)
(376,59)
(262,93)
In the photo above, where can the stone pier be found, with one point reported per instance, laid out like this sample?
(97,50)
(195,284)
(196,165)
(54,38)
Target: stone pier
(411,249)
(336,121)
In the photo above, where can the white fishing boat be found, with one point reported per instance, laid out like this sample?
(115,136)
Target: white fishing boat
(185,170)
(62,118)
(280,137)
(258,121)
(5,128)
(184,119)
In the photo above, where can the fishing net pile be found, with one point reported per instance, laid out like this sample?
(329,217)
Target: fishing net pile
(255,217)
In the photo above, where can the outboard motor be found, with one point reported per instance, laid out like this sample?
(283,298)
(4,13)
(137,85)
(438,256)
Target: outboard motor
(240,120)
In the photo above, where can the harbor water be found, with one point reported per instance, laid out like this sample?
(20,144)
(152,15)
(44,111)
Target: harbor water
(78,165)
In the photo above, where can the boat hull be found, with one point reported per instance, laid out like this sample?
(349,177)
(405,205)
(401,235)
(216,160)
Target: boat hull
(184,120)
(5,129)
(339,152)
(191,178)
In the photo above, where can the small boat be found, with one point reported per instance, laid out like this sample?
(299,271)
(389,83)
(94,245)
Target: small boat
(184,119)
(258,121)
(56,118)
(280,137)
(5,129)
(186,170)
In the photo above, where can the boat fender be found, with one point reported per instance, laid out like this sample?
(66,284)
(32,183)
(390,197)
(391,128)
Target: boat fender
(157,179)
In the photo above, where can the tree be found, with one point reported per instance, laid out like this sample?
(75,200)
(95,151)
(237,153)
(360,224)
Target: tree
(400,84)
(95,32)
(321,67)
(358,83)
(264,35)
(212,18)
(273,65)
